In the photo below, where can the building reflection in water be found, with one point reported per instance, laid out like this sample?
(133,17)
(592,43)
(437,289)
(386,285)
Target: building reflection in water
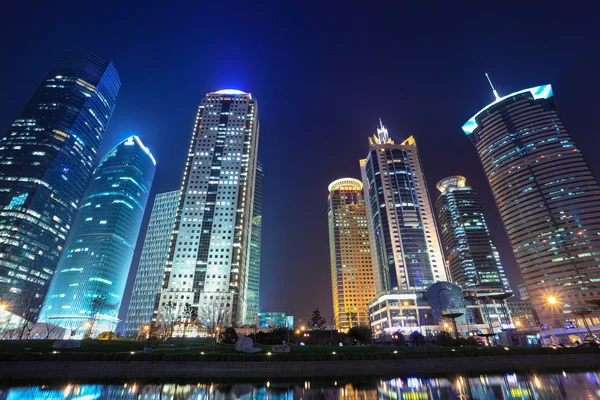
(509,386)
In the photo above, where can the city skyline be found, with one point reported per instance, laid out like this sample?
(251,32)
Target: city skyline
(305,59)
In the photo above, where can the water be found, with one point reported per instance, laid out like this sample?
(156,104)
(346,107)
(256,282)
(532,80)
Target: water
(509,386)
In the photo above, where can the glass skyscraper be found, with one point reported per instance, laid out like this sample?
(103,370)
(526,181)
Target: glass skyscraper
(100,246)
(352,281)
(404,240)
(208,263)
(472,258)
(548,198)
(153,261)
(254,270)
(46,159)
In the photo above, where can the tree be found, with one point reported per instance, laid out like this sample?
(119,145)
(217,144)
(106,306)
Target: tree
(416,338)
(214,315)
(107,336)
(361,334)
(446,339)
(398,338)
(97,307)
(188,315)
(229,336)
(351,318)
(167,315)
(317,322)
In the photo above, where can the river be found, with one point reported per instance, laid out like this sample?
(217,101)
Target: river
(508,386)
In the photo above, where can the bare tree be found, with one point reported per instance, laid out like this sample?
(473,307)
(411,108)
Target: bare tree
(189,315)
(49,328)
(167,314)
(97,307)
(214,315)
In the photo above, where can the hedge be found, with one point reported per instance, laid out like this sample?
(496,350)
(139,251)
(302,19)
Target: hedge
(380,355)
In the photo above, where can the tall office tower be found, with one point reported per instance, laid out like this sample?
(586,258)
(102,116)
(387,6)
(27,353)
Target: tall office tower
(352,279)
(548,198)
(97,256)
(151,267)
(473,260)
(254,271)
(45,162)
(405,246)
(208,263)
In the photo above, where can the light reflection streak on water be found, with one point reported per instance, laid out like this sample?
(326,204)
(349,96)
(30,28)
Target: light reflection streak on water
(484,387)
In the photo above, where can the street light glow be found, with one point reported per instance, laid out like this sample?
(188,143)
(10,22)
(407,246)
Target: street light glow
(551,300)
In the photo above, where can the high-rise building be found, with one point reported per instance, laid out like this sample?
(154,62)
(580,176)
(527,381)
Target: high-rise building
(153,261)
(548,198)
(352,279)
(472,258)
(45,162)
(86,291)
(405,246)
(208,263)
(523,292)
(253,297)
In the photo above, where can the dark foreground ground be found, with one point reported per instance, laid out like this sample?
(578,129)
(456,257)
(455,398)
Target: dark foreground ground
(99,360)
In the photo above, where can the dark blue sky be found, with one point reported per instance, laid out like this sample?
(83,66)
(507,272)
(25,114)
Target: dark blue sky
(323,75)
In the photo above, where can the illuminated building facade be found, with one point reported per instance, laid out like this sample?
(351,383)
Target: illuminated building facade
(208,263)
(97,256)
(405,246)
(352,278)
(472,257)
(46,159)
(548,198)
(253,297)
(153,261)
(275,320)
(426,311)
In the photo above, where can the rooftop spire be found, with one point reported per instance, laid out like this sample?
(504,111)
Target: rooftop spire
(493,90)
(382,133)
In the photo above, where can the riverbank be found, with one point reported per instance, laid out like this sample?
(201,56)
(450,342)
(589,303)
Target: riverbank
(201,370)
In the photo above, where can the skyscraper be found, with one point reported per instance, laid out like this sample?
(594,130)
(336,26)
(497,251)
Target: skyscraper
(153,261)
(548,198)
(97,256)
(473,260)
(352,279)
(254,271)
(208,263)
(404,240)
(45,162)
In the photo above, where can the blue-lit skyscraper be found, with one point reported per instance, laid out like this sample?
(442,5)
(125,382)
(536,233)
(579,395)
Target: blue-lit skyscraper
(473,260)
(45,162)
(547,196)
(153,261)
(253,298)
(99,249)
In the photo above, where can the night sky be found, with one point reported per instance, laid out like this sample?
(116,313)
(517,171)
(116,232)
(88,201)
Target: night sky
(323,75)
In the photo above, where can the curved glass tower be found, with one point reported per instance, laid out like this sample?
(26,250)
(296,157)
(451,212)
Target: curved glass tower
(46,159)
(99,249)
(473,260)
(548,198)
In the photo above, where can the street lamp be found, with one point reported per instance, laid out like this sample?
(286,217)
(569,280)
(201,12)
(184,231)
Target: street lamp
(553,303)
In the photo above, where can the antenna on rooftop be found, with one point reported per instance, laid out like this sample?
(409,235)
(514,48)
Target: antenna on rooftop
(492,85)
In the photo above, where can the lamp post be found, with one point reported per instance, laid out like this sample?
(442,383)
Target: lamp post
(553,303)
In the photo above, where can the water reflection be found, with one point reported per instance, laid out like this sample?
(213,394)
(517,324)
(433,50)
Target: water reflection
(509,386)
